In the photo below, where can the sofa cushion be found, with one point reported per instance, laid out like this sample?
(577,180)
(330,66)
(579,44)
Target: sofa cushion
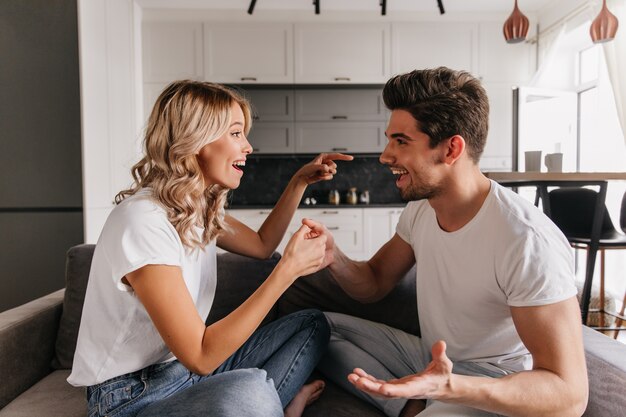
(237,278)
(77,266)
(319,290)
(51,397)
(606,367)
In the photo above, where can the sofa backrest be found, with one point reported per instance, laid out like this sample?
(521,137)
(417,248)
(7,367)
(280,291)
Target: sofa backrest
(398,309)
(237,278)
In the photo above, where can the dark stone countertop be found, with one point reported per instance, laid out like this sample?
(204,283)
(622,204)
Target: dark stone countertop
(321,206)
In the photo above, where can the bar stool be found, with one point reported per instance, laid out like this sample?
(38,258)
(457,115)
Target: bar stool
(573,210)
(622,223)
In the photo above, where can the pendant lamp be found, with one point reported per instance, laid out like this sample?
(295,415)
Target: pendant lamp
(604,26)
(515,28)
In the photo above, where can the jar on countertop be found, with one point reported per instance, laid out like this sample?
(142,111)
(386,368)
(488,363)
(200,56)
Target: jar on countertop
(351,197)
(364,197)
(333,197)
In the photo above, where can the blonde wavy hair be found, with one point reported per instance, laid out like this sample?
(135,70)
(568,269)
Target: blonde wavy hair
(186,116)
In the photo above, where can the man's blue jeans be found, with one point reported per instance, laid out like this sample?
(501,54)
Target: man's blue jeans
(259,379)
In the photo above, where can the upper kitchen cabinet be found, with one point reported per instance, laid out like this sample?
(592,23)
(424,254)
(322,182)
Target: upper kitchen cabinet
(501,62)
(251,53)
(172,51)
(351,137)
(344,104)
(419,45)
(342,53)
(271,105)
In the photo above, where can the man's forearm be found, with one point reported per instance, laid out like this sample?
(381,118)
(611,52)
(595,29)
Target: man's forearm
(356,278)
(537,393)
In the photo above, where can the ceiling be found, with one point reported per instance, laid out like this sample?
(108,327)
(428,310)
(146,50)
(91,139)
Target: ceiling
(452,6)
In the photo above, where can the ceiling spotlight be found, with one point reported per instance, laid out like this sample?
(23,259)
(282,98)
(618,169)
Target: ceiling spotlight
(317,6)
(515,28)
(383,7)
(604,26)
(251,8)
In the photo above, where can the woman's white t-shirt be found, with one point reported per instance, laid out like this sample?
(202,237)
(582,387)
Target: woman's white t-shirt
(116,334)
(509,255)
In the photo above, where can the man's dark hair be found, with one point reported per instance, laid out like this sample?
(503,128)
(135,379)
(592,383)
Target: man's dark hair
(444,103)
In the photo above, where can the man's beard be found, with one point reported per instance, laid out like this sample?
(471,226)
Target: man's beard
(413,193)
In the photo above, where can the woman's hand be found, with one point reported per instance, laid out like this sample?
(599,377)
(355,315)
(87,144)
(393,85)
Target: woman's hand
(319,229)
(322,168)
(304,254)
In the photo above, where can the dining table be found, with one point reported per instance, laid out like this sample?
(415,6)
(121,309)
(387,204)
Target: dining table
(542,181)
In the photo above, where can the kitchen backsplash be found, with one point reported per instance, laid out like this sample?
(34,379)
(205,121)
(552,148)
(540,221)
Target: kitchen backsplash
(265,179)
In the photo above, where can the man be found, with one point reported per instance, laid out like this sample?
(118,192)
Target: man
(500,325)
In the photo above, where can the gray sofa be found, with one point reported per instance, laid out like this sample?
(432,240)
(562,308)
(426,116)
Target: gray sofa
(37,339)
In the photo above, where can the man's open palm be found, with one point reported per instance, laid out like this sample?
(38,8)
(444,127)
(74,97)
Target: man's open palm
(431,383)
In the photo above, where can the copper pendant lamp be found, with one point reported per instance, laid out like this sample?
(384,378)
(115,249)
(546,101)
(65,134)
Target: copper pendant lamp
(604,26)
(515,28)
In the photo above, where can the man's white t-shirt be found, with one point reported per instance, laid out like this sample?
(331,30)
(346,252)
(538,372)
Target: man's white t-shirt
(509,255)
(116,334)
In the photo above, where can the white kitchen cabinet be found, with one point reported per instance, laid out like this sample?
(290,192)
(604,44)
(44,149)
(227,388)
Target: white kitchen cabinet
(363,105)
(379,225)
(272,138)
(250,53)
(342,53)
(151,92)
(501,62)
(346,225)
(420,45)
(171,51)
(498,152)
(271,105)
(354,137)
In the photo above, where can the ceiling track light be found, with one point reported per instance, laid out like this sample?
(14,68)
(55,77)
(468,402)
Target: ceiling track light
(515,28)
(440,4)
(604,26)
(383,7)
(251,8)
(317,6)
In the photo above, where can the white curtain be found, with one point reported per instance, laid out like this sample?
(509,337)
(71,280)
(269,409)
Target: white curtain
(547,45)
(615,54)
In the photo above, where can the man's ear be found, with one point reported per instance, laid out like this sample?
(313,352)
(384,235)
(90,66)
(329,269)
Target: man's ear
(455,147)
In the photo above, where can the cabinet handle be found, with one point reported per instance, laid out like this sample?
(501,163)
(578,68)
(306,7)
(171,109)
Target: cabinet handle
(265,212)
(342,78)
(340,149)
(248,78)
(333,228)
(330,212)
(340,117)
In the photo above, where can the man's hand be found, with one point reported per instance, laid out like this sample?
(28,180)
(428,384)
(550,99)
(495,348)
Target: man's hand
(318,229)
(433,382)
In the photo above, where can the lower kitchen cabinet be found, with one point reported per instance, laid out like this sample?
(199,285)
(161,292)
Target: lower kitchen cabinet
(359,232)
(379,225)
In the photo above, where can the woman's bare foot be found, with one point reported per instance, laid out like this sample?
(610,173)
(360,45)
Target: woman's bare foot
(307,394)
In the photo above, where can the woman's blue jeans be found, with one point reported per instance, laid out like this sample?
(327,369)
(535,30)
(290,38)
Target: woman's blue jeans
(259,379)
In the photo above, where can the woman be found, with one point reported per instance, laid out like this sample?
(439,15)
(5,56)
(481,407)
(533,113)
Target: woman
(143,348)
